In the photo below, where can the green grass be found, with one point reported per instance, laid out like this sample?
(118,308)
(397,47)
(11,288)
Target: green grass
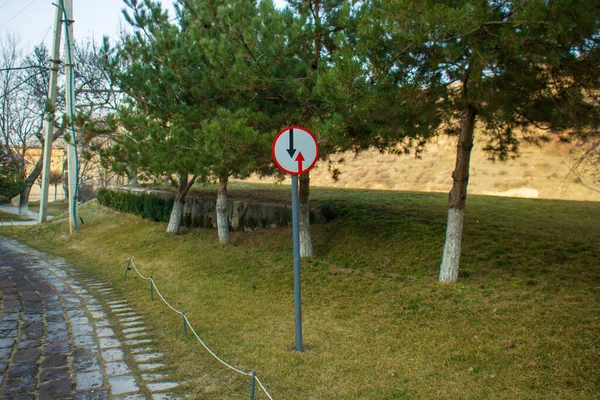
(55,208)
(522,322)
(7,217)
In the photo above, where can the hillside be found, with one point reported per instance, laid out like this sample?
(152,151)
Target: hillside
(539,172)
(521,323)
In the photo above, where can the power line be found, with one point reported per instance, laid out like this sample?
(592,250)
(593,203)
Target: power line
(19,68)
(17,86)
(17,14)
(45,34)
(2,6)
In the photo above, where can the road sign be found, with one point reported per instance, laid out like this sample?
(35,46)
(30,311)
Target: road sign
(295,150)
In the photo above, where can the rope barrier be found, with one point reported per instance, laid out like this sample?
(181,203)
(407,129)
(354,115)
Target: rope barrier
(263,387)
(213,354)
(187,322)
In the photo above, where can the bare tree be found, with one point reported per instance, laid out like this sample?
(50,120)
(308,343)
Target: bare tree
(33,107)
(23,104)
(11,76)
(586,166)
(97,98)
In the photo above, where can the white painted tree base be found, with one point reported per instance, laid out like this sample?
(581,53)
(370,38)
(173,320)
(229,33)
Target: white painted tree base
(175,218)
(222,220)
(452,247)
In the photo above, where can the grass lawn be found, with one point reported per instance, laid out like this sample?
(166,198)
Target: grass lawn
(523,322)
(55,208)
(7,217)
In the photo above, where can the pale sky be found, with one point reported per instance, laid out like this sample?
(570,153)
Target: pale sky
(32,20)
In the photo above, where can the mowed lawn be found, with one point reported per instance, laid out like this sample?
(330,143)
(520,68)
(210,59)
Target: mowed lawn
(522,323)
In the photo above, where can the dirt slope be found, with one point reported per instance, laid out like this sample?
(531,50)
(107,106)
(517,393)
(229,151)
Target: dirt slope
(539,172)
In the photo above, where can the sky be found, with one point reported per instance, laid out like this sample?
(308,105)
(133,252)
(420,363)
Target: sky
(32,20)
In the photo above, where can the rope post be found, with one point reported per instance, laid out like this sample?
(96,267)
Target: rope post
(253,385)
(127,267)
(151,291)
(184,327)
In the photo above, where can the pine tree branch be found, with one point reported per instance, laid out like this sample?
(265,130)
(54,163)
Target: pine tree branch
(532,121)
(241,39)
(580,180)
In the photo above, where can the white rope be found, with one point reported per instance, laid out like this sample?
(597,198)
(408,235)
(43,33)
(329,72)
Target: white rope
(212,353)
(164,300)
(263,388)
(188,323)
(155,287)
(136,270)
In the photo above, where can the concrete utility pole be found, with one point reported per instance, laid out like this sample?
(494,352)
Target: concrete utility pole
(49,127)
(70,104)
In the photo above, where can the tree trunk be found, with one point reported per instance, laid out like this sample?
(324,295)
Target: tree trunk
(23,162)
(176,215)
(65,180)
(222,218)
(306,248)
(457,199)
(132,178)
(28,183)
(183,188)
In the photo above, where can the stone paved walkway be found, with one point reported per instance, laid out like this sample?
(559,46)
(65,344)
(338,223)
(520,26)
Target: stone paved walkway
(57,342)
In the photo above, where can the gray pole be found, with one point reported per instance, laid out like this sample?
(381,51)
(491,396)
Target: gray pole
(296,241)
(70,105)
(253,387)
(49,127)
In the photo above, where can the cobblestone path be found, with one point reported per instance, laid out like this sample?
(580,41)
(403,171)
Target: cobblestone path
(57,342)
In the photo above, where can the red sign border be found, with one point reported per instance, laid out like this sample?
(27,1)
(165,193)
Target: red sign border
(281,132)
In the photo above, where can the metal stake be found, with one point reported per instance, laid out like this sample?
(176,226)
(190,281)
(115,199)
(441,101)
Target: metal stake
(253,385)
(184,327)
(127,267)
(151,294)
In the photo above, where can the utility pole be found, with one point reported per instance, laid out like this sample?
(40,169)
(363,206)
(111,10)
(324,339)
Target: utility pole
(51,105)
(70,100)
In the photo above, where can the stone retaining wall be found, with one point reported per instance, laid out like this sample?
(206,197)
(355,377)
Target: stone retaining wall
(200,211)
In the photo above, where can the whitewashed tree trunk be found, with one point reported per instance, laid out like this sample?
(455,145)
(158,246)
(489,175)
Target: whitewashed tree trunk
(222,218)
(176,216)
(183,187)
(458,198)
(132,178)
(306,248)
(451,257)
(65,179)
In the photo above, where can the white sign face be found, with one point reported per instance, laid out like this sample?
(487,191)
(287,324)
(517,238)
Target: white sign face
(295,150)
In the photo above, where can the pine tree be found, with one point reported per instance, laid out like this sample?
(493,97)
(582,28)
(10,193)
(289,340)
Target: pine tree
(193,86)
(507,66)
(302,47)
(235,138)
(162,77)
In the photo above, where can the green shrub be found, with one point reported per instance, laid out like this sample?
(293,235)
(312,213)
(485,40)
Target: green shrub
(145,205)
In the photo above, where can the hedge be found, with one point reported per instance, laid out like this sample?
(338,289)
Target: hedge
(145,205)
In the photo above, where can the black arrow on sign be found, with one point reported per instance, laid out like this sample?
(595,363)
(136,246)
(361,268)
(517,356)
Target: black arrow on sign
(291,150)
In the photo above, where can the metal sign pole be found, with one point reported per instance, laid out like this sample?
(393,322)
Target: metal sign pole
(296,241)
(295,151)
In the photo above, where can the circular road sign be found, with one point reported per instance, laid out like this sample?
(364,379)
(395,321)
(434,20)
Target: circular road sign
(295,150)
